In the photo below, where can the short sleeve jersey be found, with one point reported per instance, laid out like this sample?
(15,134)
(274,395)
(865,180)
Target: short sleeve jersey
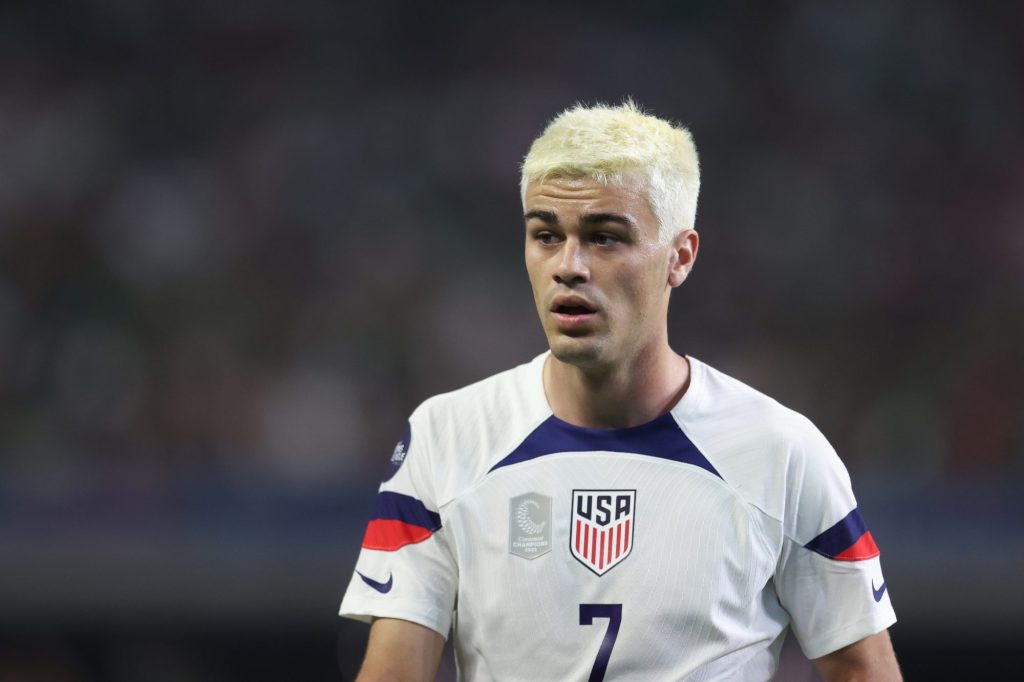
(680,549)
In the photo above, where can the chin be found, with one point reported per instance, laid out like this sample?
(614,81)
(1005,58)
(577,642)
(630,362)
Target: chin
(581,352)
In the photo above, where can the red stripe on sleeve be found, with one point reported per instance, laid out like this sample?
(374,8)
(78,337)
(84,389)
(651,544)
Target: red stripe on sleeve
(864,548)
(388,535)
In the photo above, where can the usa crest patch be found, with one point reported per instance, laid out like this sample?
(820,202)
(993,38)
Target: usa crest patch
(601,529)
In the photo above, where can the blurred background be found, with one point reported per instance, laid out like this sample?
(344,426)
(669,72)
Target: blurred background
(241,241)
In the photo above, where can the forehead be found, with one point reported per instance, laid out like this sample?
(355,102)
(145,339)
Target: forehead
(568,196)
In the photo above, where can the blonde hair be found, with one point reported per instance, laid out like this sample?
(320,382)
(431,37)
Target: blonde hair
(607,143)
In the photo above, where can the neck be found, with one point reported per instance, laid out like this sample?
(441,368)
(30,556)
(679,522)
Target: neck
(627,394)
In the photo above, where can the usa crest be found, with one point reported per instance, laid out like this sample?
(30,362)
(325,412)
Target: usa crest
(601,529)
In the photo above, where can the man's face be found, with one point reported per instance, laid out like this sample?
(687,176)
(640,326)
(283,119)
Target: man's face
(601,277)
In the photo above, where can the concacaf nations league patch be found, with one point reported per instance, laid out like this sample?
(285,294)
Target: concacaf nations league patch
(529,525)
(400,452)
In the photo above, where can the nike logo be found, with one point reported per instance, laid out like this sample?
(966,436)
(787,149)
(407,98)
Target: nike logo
(384,588)
(878,593)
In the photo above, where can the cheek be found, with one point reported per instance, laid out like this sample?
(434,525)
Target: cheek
(642,291)
(531,270)
(644,282)
(628,302)
(536,281)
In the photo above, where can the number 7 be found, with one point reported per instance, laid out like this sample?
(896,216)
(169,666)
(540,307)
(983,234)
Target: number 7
(613,612)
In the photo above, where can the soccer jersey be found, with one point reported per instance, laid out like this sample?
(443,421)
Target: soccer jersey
(680,549)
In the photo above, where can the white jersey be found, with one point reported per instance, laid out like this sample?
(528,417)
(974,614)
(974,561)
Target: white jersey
(680,549)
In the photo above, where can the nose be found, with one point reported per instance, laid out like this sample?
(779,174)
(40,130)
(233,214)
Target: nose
(572,266)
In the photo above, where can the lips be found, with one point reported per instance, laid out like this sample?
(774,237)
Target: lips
(572,305)
(572,312)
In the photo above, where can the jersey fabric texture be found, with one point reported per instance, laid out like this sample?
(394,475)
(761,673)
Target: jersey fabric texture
(680,549)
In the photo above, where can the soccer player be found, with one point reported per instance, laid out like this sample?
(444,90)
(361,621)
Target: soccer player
(612,509)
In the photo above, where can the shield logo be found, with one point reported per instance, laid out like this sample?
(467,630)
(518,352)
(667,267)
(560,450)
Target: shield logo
(601,529)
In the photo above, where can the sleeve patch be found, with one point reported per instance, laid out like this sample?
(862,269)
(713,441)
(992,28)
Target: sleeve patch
(400,453)
(848,540)
(399,520)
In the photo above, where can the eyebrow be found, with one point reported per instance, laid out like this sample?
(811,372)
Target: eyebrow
(586,218)
(546,216)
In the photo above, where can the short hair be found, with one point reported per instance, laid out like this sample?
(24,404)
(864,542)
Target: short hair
(608,143)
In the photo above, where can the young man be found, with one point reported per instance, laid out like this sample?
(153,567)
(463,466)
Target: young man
(613,510)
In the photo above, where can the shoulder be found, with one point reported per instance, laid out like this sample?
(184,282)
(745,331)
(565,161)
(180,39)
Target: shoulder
(466,430)
(727,403)
(484,405)
(504,387)
(765,450)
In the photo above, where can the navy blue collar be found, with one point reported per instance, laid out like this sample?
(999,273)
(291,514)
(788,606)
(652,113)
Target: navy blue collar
(661,437)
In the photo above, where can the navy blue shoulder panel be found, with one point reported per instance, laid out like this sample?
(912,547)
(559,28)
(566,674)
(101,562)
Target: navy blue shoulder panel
(660,438)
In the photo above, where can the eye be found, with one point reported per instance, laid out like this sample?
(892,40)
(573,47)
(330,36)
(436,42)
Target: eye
(545,237)
(605,239)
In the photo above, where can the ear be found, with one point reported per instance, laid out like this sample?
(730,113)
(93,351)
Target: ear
(684,253)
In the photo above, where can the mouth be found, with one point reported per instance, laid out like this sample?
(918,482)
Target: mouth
(571,312)
(572,305)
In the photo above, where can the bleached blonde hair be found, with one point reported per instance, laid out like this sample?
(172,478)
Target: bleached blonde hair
(611,143)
